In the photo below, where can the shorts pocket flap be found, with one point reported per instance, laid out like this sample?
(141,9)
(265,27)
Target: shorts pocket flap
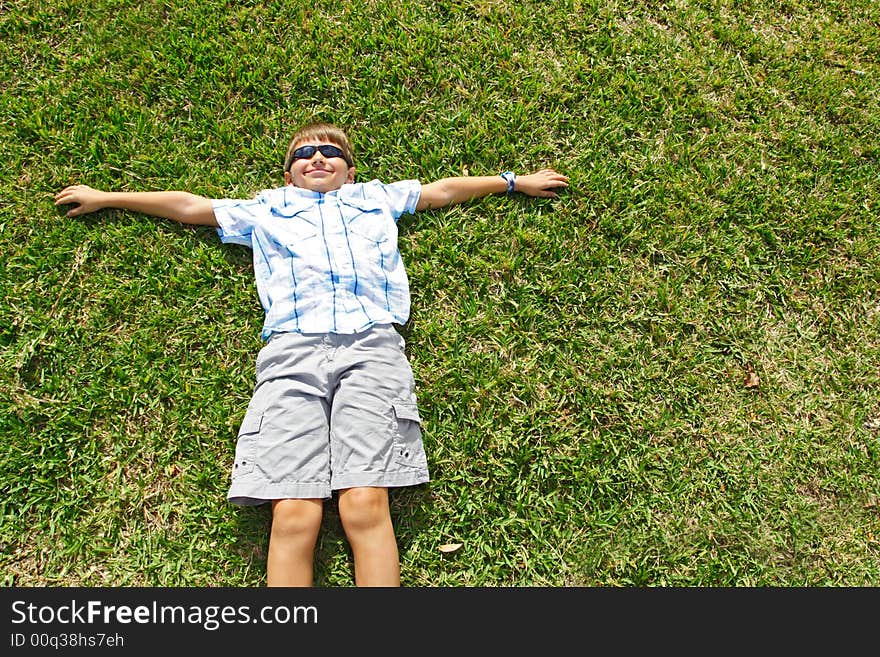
(250,424)
(407,411)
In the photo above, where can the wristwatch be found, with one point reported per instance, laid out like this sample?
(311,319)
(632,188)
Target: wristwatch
(510,177)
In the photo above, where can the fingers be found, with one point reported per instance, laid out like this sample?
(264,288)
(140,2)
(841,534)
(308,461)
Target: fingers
(72,190)
(552,176)
(542,183)
(65,195)
(72,195)
(553,181)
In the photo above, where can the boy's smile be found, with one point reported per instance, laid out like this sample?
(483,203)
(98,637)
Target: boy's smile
(319,173)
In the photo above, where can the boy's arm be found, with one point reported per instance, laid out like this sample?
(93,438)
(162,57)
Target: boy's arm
(449,191)
(182,207)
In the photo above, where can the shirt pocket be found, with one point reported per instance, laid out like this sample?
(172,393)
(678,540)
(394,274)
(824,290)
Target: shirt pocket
(368,220)
(294,222)
(296,230)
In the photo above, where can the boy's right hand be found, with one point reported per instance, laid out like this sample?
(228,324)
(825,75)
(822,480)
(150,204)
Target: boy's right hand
(84,197)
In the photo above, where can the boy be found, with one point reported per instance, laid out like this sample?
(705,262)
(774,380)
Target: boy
(334,406)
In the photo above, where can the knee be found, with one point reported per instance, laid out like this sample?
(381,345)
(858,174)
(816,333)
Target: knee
(291,518)
(363,508)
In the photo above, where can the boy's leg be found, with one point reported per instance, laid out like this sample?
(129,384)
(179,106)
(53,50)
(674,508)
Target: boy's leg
(295,525)
(366,518)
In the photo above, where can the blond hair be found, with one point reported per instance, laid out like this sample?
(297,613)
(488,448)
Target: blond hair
(322,133)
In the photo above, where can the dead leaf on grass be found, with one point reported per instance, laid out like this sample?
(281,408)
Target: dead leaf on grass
(449,547)
(752,380)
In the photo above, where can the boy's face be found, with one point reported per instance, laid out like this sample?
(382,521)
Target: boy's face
(319,173)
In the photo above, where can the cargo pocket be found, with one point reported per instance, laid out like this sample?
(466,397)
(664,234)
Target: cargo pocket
(246,447)
(408,449)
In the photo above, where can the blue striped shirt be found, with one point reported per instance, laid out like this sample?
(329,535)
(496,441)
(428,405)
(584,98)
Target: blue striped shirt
(324,263)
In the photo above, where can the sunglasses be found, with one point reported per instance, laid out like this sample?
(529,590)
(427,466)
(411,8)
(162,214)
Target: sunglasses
(327,150)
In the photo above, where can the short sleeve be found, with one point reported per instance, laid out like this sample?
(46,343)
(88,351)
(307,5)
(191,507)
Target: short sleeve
(401,197)
(236,219)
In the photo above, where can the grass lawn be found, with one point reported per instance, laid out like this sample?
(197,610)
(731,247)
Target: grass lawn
(666,377)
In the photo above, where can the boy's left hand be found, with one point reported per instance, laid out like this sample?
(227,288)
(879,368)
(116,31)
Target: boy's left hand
(541,183)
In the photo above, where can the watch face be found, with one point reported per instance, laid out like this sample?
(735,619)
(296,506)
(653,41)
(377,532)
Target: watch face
(510,178)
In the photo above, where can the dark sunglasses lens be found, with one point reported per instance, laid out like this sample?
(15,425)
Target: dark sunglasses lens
(304,152)
(330,151)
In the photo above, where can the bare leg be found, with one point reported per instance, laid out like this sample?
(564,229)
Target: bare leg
(366,519)
(295,525)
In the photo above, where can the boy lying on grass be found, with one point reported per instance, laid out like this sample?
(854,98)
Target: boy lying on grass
(334,405)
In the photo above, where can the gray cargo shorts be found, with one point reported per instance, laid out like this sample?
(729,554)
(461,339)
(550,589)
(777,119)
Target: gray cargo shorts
(329,411)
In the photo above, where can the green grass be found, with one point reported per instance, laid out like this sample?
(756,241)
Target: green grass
(581,363)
